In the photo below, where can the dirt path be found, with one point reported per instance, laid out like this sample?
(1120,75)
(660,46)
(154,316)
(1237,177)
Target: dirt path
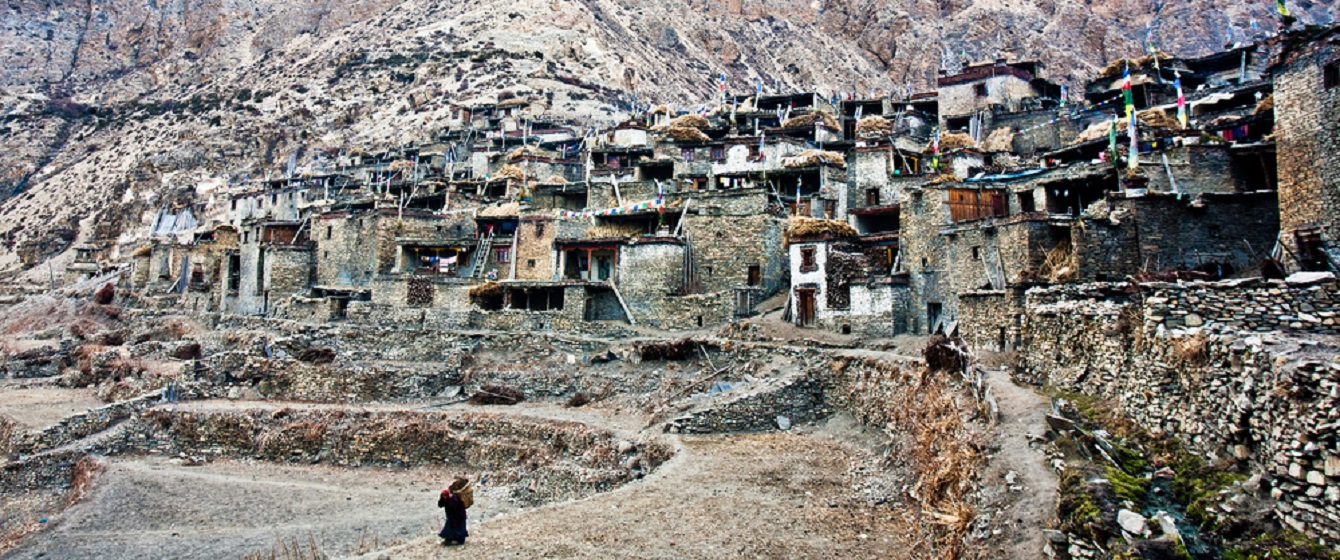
(38,407)
(778,495)
(1027,506)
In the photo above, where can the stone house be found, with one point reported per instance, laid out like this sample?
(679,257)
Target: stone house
(982,90)
(1306,75)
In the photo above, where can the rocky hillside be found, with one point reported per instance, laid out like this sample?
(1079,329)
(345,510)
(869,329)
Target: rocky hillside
(113,109)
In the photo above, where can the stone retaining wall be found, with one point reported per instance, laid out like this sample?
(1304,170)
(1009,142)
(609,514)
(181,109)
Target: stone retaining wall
(1226,389)
(82,425)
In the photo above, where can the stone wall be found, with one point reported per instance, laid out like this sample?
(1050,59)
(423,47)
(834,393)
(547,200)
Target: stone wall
(535,249)
(1308,139)
(1264,398)
(81,425)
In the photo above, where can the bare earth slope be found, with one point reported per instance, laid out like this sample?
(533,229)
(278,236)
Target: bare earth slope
(111,109)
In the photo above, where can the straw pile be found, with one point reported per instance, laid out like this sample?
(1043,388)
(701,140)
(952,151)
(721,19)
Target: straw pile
(614,229)
(951,141)
(513,102)
(1060,265)
(510,172)
(809,158)
(1266,105)
(944,178)
(505,210)
(556,179)
(1156,118)
(660,110)
(485,290)
(686,134)
(1152,119)
(689,121)
(401,165)
(799,226)
(874,126)
(142,251)
(804,121)
(1001,140)
(1118,67)
(526,151)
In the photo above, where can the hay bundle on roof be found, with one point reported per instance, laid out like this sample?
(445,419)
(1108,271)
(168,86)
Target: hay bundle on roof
(689,121)
(487,289)
(1118,67)
(402,165)
(808,120)
(526,151)
(1266,105)
(874,126)
(1000,140)
(660,110)
(142,251)
(944,178)
(686,134)
(614,229)
(513,102)
(809,158)
(951,141)
(504,210)
(510,172)
(799,226)
(1156,118)
(556,179)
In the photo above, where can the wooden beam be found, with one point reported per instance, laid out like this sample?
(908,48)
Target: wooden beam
(627,312)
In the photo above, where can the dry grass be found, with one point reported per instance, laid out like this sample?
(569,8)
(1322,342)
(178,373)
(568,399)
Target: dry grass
(1001,140)
(290,549)
(808,120)
(510,172)
(689,121)
(40,313)
(1192,351)
(686,134)
(874,126)
(1060,264)
(809,227)
(810,158)
(944,178)
(487,289)
(950,141)
(1152,119)
(614,230)
(556,180)
(1267,105)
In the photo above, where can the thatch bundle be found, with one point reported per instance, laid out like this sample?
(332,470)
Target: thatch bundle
(614,229)
(1000,140)
(689,121)
(505,210)
(510,172)
(685,134)
(808,120)
(874,126)
(660,110)
(944,178)
(1266,105)
(513,102)
(1060,264)
(401,165)
(809,158)
(951,141)
(1152,119)
(800,226)
(526,151)
(556,179)
(1118,67)
(142,251)
(485,290)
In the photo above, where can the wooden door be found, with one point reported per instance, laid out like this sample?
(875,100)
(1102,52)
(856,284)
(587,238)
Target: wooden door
(806,302)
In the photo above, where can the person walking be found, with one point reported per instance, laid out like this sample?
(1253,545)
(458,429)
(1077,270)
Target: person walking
(455,500)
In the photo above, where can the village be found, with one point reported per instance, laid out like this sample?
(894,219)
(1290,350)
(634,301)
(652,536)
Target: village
(1026,288)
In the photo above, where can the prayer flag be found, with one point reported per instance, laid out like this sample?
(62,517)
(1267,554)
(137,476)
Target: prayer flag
(1284,10)
(1065,92)
(935,151)
(1181,100)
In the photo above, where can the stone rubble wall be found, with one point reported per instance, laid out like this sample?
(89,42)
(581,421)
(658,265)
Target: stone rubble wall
(1240,385)
(799,398)
(82,425)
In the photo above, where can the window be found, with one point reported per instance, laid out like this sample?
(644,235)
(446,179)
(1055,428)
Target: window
(234,204)
(755,275)
(502,255)
(807,262)
(979,90)
(718,153)
(687,154)
(977,253)
(539,229)
(1331,75)
(830,209)
(872,197)
(1026,202)
(754,154)
(234,272)
(530,263)
(328,230)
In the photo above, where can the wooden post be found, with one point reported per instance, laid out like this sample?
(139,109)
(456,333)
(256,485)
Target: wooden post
(627,312)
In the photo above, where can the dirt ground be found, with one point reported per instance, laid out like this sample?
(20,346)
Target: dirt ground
(153,508)
(1019,511)
(774,495)
(36,406)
